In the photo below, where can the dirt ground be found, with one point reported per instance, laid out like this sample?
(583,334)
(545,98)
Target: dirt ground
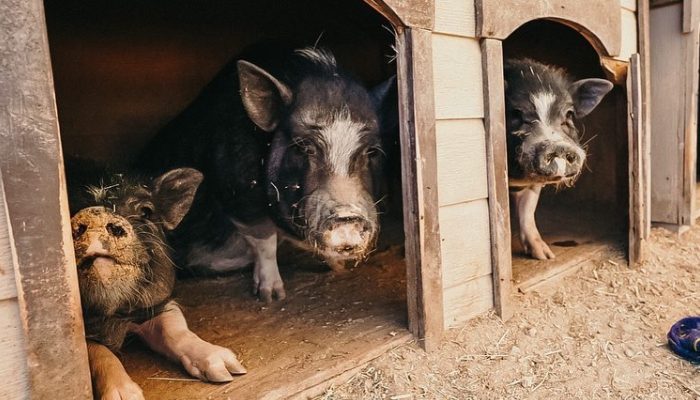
(600,333)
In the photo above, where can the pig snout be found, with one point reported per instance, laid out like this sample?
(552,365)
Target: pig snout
(347,234)
(560,161)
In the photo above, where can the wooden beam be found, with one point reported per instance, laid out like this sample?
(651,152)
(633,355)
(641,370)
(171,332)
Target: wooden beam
(497,169)
(37,205)
(637,175)
(644,46)
(420,185)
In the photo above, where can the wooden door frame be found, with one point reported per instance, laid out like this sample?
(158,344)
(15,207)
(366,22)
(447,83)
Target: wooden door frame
(37,205)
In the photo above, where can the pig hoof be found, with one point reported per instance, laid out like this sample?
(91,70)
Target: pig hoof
(538,249)
(266,290)
(127,390)
(211,363)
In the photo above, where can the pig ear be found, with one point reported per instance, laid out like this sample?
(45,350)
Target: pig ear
(385,99)
(263,96)
(173,193)
(587,93)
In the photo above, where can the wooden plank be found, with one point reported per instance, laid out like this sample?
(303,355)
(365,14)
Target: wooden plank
(637,201)
(457,72)
(410,13)
(455,17)
(466,243)
(691,15)
(468,300)
(661,3)
(8,258)
(629,4)
(598,21)
(461,161)
(628,43)
(13,368)
(329,324)
(420,185)
(533,275)
(645,66)
(691,46)
(37,205)
(668,114)
(497,168)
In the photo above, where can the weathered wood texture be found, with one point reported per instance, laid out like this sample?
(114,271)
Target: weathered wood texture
(497,167)
(691,15)
(466,260)
(645,67)
(8,259)
(35,188)
(673,116)
(411,13)
(455,17)
(599,21)
(420,185)
(13,369)
(13,353)
(457,75)
(628,35)
(461,161)
(637,172)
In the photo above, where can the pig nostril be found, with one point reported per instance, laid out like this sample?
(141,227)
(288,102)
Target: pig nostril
(571,158)
(79,230)
(115,230)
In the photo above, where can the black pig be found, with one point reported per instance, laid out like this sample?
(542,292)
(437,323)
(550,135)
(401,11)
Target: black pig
(126,278)
(543,105)
(286,140)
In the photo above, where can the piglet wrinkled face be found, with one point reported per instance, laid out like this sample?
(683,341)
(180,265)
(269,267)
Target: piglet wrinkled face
(326,158)
(110,257)
(542,106)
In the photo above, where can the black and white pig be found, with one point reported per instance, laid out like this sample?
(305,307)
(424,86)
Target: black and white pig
(288,143)
(126,278)
(543,105)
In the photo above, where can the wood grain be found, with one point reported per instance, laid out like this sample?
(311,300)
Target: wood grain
(637,173)
(599,21)
(457,74)
(455,17)
(420,183)
(49,303)
(497,168)
(461,160)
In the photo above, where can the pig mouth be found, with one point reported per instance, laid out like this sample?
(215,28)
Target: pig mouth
(96,261)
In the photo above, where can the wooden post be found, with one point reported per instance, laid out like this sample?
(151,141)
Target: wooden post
(497,168)
(420,185)
(32,169)
(645,65)
(637,174)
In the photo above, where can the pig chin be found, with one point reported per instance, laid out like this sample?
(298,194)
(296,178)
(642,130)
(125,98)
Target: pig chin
(106,284)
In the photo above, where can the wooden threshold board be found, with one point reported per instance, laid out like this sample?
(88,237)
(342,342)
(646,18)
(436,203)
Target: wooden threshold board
(575,235)
(329,324)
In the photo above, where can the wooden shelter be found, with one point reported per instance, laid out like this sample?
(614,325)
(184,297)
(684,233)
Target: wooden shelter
(112,73)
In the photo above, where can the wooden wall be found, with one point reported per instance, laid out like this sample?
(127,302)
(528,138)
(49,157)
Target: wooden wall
(674,91)
(463,190)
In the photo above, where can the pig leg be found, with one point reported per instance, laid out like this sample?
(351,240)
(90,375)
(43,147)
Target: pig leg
(526,203)
(262,238)
(109,379)
(169,335)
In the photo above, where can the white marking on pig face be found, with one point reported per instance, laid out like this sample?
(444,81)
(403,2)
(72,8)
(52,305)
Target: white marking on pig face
(343,138)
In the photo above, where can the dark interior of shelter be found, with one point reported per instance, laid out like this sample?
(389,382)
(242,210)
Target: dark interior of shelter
(593,214)
(123,69)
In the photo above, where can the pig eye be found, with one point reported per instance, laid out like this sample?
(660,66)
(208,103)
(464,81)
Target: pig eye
(115,230)
(79,230)
(570,115)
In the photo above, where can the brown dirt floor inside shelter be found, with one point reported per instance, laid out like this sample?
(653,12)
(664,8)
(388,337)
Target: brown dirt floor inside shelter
(597,334)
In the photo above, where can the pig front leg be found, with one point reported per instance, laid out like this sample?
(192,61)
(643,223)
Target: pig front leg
(525,204)
(262,239)
(169,335)
(109,379)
